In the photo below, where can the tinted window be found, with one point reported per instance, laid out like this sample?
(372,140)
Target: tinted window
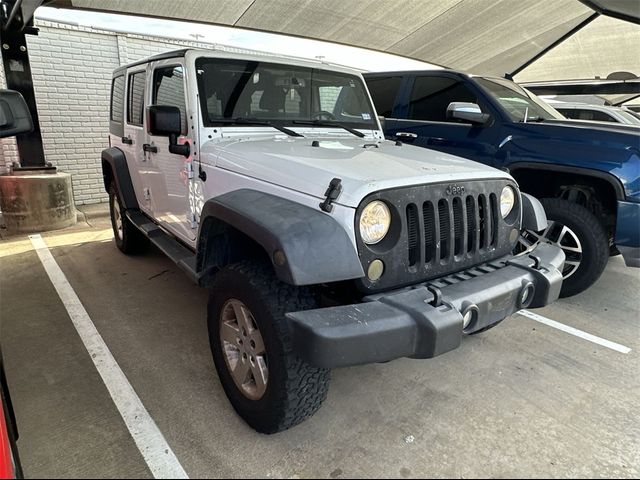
(580,114)
(383,91)
(432,95)
(117,99)
(135,103)
(282,94)
(168,89)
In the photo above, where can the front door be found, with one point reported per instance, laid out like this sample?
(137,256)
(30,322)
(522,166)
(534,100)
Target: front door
(170,175)
(424,122)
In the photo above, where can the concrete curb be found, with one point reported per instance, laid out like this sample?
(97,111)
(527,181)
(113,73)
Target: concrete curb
(92,212)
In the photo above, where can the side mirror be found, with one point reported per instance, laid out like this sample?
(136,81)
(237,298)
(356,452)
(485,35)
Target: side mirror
(165,121)
(467,112)
(14,114)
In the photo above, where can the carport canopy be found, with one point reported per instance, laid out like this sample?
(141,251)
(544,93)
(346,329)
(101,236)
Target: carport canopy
(539,40)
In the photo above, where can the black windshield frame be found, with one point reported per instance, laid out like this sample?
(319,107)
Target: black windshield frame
(206,66)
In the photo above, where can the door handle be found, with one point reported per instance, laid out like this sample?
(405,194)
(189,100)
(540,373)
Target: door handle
(127,140)
(150,148)
(406,136)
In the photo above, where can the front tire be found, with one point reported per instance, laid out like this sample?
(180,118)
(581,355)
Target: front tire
(128,238)
(581,236)
(267,384)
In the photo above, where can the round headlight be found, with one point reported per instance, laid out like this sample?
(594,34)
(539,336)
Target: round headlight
(507,201)
(374,222)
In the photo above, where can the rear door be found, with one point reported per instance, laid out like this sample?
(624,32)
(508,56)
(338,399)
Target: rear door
(423,118)
(170,176)
(134,134)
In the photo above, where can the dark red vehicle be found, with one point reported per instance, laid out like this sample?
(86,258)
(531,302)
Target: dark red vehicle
(9,461)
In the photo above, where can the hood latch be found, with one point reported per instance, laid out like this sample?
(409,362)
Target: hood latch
(332,194)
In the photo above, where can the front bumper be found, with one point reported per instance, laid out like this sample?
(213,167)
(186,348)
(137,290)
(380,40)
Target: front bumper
(628,232)
(426,320)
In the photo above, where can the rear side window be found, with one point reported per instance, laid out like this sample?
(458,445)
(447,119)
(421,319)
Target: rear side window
(117,99)
(578,114)
(135,101)
(168,89)
(384,91)
(432,95)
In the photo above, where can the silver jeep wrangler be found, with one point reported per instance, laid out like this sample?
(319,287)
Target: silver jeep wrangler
(324,245)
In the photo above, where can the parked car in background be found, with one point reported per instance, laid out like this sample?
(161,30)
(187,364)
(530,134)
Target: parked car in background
(587,174)
(269,181)
(596,113)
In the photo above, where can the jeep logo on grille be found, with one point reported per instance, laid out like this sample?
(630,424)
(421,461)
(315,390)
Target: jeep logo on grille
(455,190)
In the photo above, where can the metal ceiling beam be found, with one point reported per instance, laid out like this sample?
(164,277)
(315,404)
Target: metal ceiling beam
(614,9)
(546,50)
(585,87)
(14,23)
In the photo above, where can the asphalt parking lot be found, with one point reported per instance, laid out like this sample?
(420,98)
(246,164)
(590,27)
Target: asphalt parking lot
(525,399)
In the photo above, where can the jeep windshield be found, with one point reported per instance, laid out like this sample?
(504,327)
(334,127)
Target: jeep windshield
(518,103)
(241,92)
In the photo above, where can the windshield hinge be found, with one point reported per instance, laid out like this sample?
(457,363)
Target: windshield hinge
(332,194)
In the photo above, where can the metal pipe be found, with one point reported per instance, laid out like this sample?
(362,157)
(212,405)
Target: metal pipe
(14,12)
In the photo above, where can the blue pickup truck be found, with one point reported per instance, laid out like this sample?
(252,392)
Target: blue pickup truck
(586,174)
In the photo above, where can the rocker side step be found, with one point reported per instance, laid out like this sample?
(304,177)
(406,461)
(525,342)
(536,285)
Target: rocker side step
(181,255)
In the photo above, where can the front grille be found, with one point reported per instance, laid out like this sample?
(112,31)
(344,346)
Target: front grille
(439,234)
(460,226)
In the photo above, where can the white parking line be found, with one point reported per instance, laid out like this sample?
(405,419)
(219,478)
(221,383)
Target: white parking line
(149,439)
(574,331)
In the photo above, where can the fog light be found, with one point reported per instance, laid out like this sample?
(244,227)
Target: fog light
(466,320)
(469,315)
(376,269)
(526,295)
(279,258)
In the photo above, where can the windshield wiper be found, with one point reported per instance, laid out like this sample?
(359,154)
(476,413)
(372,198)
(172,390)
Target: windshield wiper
(320,123)
(256,121)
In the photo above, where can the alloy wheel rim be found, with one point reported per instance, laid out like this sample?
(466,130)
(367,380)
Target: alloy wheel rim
(562,237)
(117,217)
(243,349)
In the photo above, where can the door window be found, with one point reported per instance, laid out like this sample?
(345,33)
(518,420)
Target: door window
(383,91)
(135,101)
(168,89)
(432,95)
(580,114)
(117,99)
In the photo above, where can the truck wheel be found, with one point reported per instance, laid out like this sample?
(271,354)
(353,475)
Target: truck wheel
(582,238)
(129,239)
(266,383)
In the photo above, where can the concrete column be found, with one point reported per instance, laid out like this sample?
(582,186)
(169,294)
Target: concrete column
(36,202)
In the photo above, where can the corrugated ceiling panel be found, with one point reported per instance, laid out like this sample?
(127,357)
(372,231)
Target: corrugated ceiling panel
(497,35)
(483,36)
(223,12)
(365,23)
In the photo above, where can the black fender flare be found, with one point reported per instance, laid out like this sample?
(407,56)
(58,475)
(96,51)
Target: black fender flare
(115,168)
(316,247)
(615,183)
(533,215)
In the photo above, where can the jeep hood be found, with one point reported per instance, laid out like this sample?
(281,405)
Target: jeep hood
(364,166)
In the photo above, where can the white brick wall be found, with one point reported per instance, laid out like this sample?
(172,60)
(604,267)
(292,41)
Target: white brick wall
(71,69)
